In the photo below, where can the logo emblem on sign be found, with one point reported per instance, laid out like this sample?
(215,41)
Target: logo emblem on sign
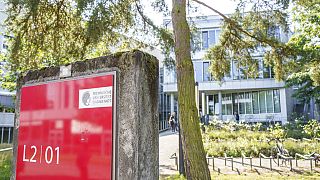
(86,98)
(95,97)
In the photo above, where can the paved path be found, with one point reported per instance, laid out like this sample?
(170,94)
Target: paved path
(168,144)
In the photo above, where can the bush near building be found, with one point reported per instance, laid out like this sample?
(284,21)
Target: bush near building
(234,139)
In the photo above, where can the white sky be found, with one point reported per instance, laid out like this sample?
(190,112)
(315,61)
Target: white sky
(224,6)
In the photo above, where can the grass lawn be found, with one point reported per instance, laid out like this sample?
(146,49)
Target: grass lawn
(5,162)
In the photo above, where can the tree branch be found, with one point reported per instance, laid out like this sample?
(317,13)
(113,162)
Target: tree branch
(145,18)
(237,26)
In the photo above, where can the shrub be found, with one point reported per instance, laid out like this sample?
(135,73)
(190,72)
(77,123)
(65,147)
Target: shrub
(312,128)
(234,139)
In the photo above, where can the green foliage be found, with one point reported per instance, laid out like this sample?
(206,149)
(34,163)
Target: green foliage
(312,128)
(233,139)
(296,61)
(277,132)
(5,162)
(243,34)
(51,33)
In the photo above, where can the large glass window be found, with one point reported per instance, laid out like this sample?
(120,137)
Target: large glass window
(262,101)
(242,103)
(248,103)
(255,102)
(269,101)
(276,101)
(226,104)
(206,73)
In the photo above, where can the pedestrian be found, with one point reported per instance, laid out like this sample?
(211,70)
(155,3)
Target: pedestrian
(236,116)
(172,123)
(175,120)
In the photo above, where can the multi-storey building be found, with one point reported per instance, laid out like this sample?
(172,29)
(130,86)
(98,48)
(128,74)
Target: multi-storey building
(260,99)
(6,97)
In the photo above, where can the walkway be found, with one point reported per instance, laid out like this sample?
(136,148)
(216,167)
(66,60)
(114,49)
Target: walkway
(168,144)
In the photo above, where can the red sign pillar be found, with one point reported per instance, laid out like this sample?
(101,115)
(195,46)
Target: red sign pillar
(67,129)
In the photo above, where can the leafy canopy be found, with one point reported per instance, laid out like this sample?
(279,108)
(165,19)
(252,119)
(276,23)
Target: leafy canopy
(50,33)
(252,30)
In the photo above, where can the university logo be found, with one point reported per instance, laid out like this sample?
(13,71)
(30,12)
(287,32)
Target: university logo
(86,99)
(95,97)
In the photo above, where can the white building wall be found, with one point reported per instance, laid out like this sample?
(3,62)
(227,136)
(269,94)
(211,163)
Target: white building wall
(230,85)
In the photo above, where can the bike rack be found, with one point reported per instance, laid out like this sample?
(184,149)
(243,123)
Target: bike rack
(305,157)
(174,156)
(262,156)
(208,161)
(244,157)
(285,158)
(228,158)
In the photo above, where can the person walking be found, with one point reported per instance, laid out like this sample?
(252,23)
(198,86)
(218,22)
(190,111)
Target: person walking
(172,123)
(236,116)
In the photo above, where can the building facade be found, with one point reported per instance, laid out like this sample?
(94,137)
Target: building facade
(260,99)
(6,97)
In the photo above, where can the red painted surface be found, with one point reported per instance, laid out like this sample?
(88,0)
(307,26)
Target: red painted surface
(57,140)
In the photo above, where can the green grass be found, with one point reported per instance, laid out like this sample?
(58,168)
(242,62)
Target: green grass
(5,162)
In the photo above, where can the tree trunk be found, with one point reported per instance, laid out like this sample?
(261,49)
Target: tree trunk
(195,159)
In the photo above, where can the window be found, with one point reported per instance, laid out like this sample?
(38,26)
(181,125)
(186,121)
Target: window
(255,102)
(276,101)
(211,105)
(269,99)
(205,40)
(226,104)
(242,105)
(210,38)
(274,31)
(248,103)
(266,72)
(206,73)
(262,101)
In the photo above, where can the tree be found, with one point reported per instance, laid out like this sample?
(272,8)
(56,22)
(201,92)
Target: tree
(254,25)
(47,33)
(194,155)
(306,43)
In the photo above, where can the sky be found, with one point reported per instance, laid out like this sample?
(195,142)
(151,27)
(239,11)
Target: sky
(224,6)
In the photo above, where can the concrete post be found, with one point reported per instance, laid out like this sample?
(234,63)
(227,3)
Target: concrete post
(137,138)
(171,103)
(203,102)
(220,105)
